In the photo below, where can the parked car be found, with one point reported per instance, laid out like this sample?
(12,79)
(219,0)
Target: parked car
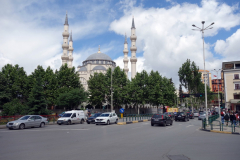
(196,114)
(170,114)
(191,115)
(107,118)
(162,119)
(181,116)
(27,122)
(74,116)
(93,117)
(202,115)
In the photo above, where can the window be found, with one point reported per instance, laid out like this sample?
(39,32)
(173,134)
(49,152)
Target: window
(237,86)
(237,96)
(236,76)
(237,66)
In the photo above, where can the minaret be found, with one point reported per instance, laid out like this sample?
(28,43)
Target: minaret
(133,49)
(70,51)
(125,59)
(65,35)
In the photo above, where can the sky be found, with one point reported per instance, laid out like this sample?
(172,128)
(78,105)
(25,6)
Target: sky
(31,32)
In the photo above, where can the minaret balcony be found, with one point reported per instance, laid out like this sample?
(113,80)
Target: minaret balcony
(125,60)
(133,37)
(70,49)
(126,69)
(65,34)
(65,46)
(64,57)
(70,58)
(133,59)
(125,51)
(133,48)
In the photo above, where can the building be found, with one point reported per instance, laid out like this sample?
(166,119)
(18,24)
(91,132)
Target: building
(98,62)
(215,84)
(231,74)
(206,77)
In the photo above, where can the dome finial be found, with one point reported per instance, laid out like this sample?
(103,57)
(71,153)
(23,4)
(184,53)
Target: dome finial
(99,49)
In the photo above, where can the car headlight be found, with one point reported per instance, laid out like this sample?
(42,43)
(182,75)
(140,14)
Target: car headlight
(16,123)
(65,119)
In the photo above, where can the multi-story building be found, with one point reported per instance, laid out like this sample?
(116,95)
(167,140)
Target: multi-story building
(215,84)
(231,74)
(206,76)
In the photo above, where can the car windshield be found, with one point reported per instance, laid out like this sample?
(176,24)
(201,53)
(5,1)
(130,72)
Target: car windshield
(104,115)
(67,115)
(157,115)
(24,118)
(96,115)
(180,113)
(201,113)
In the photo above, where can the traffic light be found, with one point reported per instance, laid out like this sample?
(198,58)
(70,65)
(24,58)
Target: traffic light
(185,95)
(199,95)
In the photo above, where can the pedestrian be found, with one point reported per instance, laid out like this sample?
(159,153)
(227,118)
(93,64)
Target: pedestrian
(237,117)
(226,117)
(222,117)
(233,119)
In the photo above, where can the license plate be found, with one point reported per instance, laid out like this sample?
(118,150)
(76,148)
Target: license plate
(156,120)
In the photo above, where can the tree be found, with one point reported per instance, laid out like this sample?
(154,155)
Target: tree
(16,79)
(36,101)
(15,107)
(5,95)
(72,99)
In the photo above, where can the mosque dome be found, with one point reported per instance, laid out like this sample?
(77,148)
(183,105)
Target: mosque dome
(99,56)
(99,68)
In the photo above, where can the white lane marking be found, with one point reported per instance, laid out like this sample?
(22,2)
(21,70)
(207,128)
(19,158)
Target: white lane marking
(137,127)
(189,125)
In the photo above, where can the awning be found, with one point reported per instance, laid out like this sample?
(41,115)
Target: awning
(235,100)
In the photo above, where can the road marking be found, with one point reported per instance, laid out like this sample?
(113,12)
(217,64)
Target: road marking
(137,127)
(189,125)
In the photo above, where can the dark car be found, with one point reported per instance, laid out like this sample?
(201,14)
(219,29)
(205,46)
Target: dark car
(181,116)
(190,115)
(92,118)
(170,114)
(162,119)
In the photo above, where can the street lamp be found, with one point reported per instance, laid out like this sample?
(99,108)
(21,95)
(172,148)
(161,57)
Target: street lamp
(111,91)
(202,30)
(218,91)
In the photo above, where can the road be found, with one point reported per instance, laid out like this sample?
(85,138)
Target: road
(139,141)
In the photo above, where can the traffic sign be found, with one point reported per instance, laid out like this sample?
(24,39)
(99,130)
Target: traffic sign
(121,110)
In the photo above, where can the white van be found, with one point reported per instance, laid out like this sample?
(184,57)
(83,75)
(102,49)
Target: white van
(74,116)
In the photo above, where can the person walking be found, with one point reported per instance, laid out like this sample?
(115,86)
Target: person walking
(222,117)
(232,118)
(237,118)
(226,117)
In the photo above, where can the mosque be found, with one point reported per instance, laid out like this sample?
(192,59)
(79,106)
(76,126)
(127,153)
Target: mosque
(98,62)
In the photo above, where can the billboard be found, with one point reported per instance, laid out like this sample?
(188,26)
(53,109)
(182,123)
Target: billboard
(172,110)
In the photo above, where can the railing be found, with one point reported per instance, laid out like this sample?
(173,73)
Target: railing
(135,117)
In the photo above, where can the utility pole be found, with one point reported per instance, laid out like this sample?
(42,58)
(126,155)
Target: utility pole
(111,92)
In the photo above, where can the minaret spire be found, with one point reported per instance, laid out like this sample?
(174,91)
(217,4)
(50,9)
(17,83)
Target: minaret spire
(125,59)
(133,25)
(70,36)
(99,49)
(70,52)
(66,19)
(133,49)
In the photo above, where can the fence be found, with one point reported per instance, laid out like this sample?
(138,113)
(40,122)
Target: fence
(135,117)
(214,124)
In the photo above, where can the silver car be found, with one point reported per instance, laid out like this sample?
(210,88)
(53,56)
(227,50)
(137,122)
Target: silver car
(202,115)
(27,122)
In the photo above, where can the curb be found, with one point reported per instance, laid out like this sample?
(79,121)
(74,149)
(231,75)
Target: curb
(130,122)
(225,132)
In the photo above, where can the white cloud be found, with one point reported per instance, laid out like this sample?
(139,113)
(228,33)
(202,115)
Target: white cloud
(166,38)
(229,48)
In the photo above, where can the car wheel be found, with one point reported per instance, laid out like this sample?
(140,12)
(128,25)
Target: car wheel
(96,124)
(22,126)
(108,122)
(59,124)
(88,122)
(188,119)
(10,128)
(116,121)
(152,124)
(171,123)
(81,122)
(69,123)
(164,124)
(42,125)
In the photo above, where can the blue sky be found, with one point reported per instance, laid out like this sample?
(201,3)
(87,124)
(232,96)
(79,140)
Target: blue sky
(31,32)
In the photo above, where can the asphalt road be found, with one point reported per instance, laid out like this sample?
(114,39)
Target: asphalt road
(139,141)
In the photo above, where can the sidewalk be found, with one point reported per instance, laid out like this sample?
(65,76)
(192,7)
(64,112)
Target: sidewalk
(226,129)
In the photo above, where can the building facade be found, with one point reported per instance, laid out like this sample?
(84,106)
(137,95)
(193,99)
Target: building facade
(217,83)
(231,77)
(206,76)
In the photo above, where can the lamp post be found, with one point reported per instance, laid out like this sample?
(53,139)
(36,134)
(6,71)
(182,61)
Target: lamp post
(202,30)
(218,91)
(111,91)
